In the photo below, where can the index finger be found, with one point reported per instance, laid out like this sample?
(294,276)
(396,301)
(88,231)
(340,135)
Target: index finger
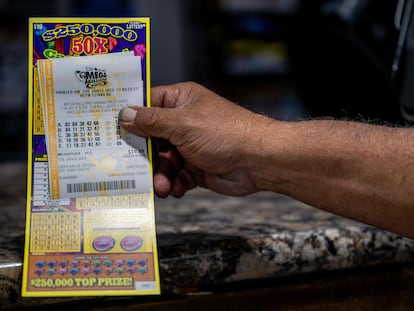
(164,96)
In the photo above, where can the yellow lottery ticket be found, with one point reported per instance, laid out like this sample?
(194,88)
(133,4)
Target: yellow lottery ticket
(90,227)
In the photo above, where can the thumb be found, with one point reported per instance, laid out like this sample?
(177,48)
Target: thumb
(148,122)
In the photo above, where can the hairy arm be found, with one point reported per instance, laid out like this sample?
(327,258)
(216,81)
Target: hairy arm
(360,171)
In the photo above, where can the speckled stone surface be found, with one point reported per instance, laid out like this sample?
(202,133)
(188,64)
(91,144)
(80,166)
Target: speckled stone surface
(206,239)
(210,238)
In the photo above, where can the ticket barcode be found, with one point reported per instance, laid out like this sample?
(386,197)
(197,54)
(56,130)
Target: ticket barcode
(101,186)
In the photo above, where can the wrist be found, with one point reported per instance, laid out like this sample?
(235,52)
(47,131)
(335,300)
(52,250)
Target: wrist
(268,154)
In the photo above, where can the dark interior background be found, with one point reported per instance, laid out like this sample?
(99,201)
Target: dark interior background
(289,59)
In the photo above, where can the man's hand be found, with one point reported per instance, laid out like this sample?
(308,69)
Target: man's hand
(360,171)
(203,139)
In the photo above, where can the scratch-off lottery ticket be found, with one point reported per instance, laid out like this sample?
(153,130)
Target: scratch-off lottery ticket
(90,227)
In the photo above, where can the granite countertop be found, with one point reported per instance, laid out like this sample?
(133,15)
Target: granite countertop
(206,239)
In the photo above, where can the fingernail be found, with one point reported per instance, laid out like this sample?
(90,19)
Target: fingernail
(127,114)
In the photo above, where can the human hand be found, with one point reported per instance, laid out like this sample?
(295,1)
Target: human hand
(203,140)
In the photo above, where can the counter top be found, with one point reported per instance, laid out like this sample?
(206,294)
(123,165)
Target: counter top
(206,239)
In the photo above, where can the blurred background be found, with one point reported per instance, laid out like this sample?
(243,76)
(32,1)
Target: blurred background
(289,59)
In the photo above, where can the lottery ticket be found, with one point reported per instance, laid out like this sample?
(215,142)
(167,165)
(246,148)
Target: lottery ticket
(90,227)
(88,153)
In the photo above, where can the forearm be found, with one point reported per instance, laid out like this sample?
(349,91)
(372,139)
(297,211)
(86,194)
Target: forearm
(360,171)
